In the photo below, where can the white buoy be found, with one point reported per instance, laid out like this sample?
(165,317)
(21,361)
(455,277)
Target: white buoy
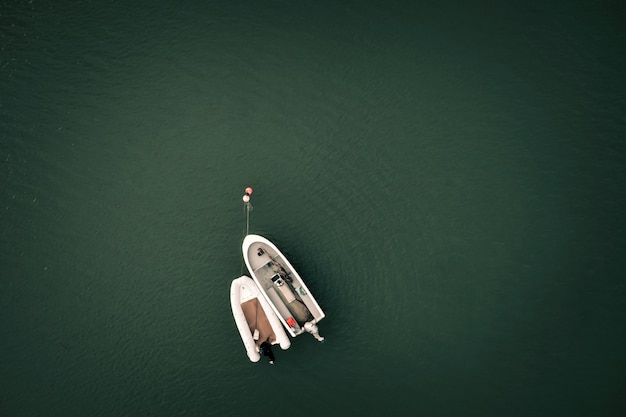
(246,198)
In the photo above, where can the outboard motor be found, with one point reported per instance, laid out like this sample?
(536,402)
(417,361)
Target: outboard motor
(312,328)
(266,350)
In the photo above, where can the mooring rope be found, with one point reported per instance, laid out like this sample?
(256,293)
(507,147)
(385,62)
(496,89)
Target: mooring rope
(246,221)
(247,207)
(246,216)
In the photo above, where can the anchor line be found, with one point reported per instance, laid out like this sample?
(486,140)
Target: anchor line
(247,207)
(245,232)
(247,219)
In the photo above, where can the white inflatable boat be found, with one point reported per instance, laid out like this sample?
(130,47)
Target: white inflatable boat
(256,321)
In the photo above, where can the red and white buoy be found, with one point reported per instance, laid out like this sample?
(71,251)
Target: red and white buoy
(246,196)
(247,207)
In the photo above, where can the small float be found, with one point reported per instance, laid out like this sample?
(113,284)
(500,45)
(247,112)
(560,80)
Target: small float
(256,321)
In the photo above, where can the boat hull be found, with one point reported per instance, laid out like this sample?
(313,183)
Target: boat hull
(281,285)
(251,312)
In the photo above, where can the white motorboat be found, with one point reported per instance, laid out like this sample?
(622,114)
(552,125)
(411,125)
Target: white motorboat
(256,321)
(282,287)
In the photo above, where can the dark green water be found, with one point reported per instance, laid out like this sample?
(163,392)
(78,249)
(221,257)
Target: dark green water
(447,177)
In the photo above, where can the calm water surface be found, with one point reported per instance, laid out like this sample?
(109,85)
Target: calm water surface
(448,179)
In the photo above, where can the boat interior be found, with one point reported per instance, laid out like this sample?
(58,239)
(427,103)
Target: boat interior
(283,286)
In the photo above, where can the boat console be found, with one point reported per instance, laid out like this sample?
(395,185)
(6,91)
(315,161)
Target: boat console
(284,288)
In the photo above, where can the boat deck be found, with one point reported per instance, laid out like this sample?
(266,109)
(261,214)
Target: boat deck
(267,266)
(257,320)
